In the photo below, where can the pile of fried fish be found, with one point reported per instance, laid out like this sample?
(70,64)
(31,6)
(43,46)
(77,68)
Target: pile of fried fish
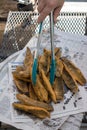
(36,99)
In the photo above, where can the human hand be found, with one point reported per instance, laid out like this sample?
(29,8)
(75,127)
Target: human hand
(46,6)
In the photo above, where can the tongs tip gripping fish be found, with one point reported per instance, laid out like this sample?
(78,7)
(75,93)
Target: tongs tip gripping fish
(53,64)
(35,63)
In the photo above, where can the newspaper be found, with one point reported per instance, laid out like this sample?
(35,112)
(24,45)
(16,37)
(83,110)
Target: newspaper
(72,103)
(76,52)
(6,111)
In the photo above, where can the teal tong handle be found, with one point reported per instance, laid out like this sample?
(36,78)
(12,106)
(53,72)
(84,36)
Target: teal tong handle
(35,63)
(40,29)
(52,69)
(34,71)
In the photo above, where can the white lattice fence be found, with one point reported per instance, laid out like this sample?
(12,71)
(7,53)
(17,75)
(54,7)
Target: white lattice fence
(21,26)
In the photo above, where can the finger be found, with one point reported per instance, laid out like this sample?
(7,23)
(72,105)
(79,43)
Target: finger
(56,13)
(46,11)
(57,10)
(41,5)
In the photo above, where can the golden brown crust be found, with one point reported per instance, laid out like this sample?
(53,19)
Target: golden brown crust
(28,61)
(74,71)
(44,62)
(20,68)
(59,67)
(37,111)
(69,81)
(31,102)
(40,91)
(31,92)
(48,86)
(21,76)
(21,85)
(59,88)
(57,52)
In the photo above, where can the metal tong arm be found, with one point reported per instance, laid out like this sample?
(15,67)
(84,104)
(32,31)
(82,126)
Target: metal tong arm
(52,68)
(38,40)
(35,63)
(52,34)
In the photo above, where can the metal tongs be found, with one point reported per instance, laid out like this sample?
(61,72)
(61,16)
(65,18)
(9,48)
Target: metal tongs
(35,63)
(52,69)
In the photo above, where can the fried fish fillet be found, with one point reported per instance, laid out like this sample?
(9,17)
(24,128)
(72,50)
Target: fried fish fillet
(59,67)
(22,76)
(74,71)
(48,86)
(19,68)
(59,88)
(37,111)
(31,92)
(69,81)
(28,61)
(47,52)
(58,52)
(31,102)
(21,85)
(44,63)
(40,91)
(45,60)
